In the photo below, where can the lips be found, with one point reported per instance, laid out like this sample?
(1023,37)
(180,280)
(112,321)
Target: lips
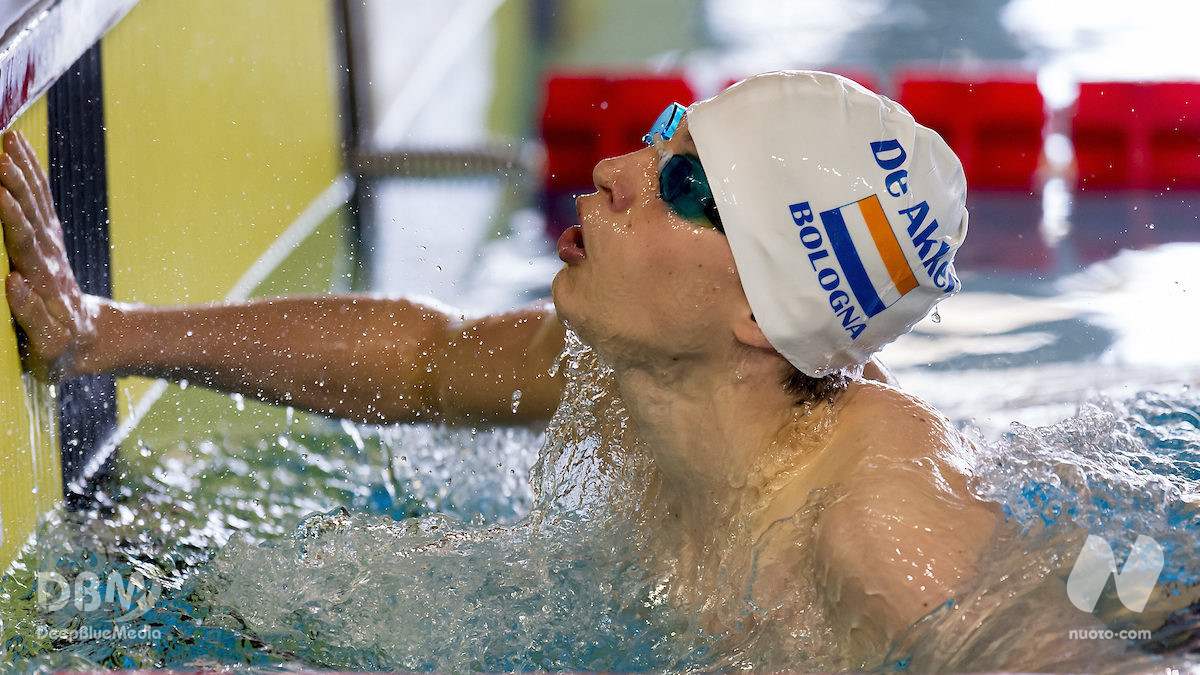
(570,245)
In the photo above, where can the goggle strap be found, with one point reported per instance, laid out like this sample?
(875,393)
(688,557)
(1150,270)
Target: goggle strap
(668,121)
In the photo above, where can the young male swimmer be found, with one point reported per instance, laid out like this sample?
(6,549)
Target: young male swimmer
(737,274)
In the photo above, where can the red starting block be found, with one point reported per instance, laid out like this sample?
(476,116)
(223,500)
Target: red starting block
(1140,135)
(992,120)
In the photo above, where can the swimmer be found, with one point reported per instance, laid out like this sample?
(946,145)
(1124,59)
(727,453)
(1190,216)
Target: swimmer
(738,273)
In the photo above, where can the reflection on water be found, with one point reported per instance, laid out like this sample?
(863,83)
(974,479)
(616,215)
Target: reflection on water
(1032,349)
(174,508)
(377,580)
(337,546)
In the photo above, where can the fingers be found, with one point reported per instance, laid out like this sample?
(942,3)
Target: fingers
(18,233)
(14,180)
(18,293)
(46,275)
(34,235)
(41,270)
(30,312)
(33,189)
(22,175)
(39,182)
(43,295)
(47,343)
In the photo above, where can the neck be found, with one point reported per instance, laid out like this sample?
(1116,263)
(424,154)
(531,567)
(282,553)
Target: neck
(719,436)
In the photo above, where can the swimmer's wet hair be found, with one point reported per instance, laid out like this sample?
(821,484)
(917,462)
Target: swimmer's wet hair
(804,388)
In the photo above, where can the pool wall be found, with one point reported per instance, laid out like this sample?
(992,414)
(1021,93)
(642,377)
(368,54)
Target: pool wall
(224,168)
(30,475)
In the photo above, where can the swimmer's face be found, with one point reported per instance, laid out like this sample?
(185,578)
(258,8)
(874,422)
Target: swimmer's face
(646,281)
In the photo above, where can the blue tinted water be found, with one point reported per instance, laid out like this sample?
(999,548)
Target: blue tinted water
(334,546)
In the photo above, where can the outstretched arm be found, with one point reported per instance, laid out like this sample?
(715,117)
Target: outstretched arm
(369,359)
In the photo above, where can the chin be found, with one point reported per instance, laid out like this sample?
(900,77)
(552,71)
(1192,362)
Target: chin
(555,287)
(576,311)
(567,307)
(561,298)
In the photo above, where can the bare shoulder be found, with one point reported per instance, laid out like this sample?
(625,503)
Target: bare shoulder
(904,532)
(891,420)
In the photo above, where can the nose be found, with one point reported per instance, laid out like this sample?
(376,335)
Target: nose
(611,177)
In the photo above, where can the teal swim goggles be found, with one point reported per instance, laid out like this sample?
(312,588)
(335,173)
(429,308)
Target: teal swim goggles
(681,180)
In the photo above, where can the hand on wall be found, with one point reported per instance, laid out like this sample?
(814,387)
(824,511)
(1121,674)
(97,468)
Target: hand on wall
(43,295)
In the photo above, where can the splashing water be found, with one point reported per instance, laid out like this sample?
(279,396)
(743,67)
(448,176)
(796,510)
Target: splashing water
(378,579)
(1117,471)
(562,590)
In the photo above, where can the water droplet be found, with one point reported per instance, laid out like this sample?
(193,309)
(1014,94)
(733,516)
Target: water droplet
(937,316)
(516,400)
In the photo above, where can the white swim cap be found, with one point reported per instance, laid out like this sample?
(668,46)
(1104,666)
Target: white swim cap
(842,212)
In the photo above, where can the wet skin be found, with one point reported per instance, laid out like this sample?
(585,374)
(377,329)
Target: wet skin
(659,298)
(649,282)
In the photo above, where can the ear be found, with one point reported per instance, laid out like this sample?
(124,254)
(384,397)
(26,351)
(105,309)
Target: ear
(748,332)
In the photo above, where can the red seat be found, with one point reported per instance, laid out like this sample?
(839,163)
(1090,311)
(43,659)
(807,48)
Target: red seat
(993,121)
(1137,135)
(587,117)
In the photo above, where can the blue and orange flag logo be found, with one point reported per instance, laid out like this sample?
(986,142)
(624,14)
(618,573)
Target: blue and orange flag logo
(869,254)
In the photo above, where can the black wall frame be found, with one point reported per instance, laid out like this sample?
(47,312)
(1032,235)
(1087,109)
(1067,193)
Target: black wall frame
(87,408)
(350,21)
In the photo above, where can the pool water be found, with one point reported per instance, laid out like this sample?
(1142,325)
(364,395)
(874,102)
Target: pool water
(329,545)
